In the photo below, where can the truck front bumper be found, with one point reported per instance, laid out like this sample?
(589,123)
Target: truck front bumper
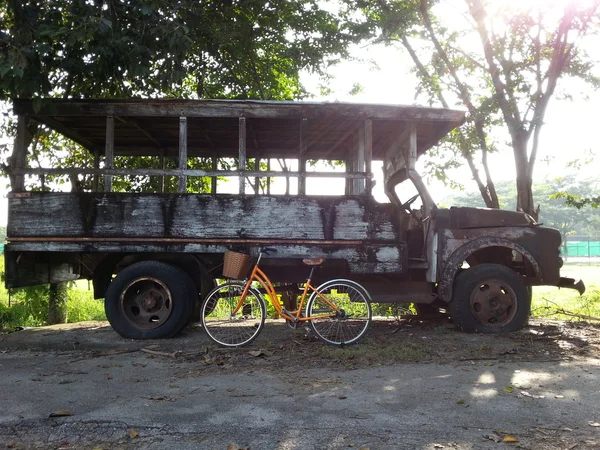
(570,283)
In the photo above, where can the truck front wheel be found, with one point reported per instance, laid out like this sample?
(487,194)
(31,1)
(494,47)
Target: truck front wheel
(490,298)
(149,300)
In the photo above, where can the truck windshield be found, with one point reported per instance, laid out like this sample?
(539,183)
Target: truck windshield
(408,195)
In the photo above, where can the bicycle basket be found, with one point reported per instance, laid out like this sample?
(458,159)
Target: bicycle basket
(236,265)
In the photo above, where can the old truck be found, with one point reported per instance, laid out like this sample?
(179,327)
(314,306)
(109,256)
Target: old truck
(153,255)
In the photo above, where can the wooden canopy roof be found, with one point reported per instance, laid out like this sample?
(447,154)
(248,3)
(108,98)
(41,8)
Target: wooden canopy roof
(274,129)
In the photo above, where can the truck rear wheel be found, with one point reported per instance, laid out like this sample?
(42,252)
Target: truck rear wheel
(490,298)
(149,300)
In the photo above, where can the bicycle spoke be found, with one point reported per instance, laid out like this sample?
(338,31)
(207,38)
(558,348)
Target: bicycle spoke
(341,313)
(223,324)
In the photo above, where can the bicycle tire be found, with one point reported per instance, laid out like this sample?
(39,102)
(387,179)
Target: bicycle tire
(222,326)
(350,323)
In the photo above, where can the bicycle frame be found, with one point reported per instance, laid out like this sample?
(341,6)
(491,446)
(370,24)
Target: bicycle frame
(262,278)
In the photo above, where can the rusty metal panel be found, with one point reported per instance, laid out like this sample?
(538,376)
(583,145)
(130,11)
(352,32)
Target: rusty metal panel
(464,217)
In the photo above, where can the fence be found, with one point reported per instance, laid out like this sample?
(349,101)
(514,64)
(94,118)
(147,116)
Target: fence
(582,247)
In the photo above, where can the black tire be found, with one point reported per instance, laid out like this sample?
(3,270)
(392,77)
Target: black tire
(149,300)
(229,329)
(490,298)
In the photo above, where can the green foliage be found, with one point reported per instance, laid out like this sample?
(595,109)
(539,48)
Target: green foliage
(250,49)
(138,48)
(554,210)
(83,306)
(577,201)
(28,307)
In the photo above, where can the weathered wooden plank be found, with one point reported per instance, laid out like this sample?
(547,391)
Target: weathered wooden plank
(161,162)
(359,160)
(19,155)
(242,154)
(186,172)
(302,157)
(213,179)
(109,151)
(412,146)
(128,216)
(96,181)
(368,144)
(183,143)
(365,259)
(231,108)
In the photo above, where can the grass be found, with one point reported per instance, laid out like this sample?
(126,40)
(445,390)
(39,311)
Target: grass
(29,307)
(552,302)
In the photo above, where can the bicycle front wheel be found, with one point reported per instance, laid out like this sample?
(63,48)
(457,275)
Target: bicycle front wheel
(223,324)
(340,312)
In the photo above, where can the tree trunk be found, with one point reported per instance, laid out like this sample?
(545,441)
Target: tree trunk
(524,180)
(57,303)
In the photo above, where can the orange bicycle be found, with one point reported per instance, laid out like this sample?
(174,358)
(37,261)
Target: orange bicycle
(233,314)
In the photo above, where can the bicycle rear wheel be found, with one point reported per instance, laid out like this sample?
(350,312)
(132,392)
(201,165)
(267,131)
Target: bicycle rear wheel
(340,312)
(227,328)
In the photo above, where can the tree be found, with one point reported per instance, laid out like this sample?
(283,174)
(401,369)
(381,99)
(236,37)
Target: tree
(506,81)
(154,48)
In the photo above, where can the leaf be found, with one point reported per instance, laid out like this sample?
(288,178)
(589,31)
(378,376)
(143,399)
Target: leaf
(508,389)
(460,402)
(61,413)
(260,352)
(492,437)
(510,439)
(133,433)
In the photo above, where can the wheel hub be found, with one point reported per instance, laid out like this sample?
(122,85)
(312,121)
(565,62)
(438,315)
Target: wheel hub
(146,303)
(493,303)
(151,299)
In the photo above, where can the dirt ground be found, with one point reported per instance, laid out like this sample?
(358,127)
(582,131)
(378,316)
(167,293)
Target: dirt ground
(402,374)
(281,348)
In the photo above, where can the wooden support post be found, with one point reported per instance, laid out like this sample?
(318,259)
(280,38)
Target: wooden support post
(359,160)
(109,151)
(96,179)
(368,144)
(182,152)
(213,179)
(161,162)
(302,158)
(412,147)
(268,178)
(257,179)
(19,156)
(242,154)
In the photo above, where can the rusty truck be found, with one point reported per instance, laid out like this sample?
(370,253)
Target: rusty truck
(153,255)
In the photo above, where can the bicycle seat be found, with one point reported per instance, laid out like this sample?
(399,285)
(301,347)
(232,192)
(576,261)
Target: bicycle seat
(313,261)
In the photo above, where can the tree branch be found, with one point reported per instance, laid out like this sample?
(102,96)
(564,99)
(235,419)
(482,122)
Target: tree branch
(478,13)
(489,197)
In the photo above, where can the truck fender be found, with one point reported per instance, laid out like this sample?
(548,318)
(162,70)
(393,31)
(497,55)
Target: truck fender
(452,266)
